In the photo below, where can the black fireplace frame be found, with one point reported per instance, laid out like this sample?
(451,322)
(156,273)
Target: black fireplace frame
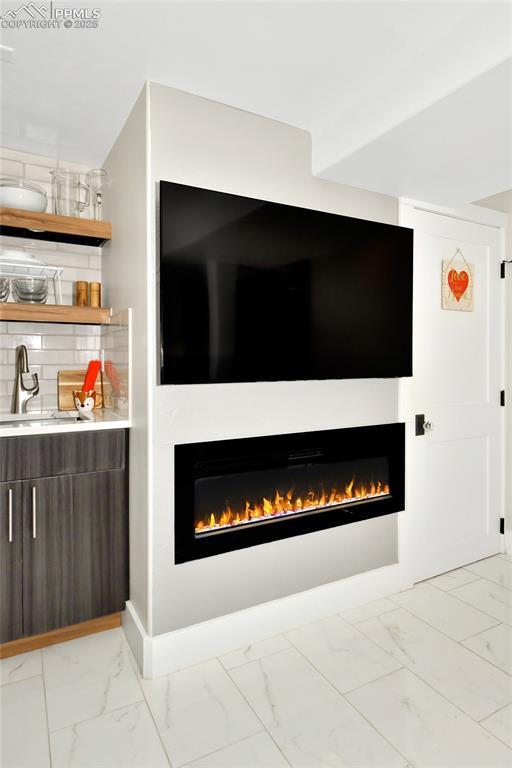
(195,460)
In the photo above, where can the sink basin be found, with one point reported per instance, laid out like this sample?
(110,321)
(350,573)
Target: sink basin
(37,418)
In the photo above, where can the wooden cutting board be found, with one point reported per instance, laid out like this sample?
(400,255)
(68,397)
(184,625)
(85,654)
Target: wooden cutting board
(67,381)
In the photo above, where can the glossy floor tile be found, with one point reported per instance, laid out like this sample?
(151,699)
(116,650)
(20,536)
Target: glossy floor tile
(452,579)
(470,682)
(495,569)
(443,611)
(88,677)
(421,679)
(257,751)
(23,731)
(494,645)
(488,597)
(500,724)
(20,667)
(125,737)
(342,653)
(310,721)
(199,710)
(426,728)
(254,652)
(375,608)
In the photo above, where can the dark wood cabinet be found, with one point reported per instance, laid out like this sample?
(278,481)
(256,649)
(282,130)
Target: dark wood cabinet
(67,560)
(11,561)
(70,453)
(101,543)
(48,540)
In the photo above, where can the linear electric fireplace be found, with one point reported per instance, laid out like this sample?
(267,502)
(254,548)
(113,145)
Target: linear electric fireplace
(232,494)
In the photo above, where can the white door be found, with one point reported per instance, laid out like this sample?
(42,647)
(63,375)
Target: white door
(454,473)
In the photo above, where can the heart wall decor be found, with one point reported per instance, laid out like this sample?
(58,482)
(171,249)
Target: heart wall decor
(457,284)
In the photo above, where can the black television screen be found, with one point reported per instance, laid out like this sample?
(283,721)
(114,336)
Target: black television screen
(257,291)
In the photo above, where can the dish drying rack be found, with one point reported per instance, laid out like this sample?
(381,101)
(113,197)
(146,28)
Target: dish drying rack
(15,269)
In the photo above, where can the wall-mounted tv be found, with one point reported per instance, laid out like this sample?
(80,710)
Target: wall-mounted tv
(252,290)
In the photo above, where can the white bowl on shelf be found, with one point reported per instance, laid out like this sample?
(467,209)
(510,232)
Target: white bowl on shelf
(23,194)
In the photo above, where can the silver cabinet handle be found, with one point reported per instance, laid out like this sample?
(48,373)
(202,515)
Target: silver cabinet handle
(34,513)
(10,515)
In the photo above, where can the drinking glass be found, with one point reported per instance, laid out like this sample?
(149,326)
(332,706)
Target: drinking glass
(97,181)
(67,193)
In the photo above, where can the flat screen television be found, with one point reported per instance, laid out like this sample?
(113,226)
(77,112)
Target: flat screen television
(252,290)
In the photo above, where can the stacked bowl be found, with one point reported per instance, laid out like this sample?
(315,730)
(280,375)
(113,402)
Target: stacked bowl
(30,290)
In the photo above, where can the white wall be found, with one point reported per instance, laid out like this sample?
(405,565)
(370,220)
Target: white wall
(206,144)
(125,273)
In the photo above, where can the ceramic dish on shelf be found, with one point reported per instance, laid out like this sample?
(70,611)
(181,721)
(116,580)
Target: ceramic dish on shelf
(23,194)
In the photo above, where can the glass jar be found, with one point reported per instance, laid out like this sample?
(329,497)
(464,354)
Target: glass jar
(67,191)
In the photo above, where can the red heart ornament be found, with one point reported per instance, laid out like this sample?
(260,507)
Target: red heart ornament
(458,282)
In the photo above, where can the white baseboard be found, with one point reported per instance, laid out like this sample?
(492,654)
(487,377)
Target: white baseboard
(166,653)
(508,541)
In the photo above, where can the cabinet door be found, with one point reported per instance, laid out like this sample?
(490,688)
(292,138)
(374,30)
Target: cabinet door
(48,543)
(75,549)
(11,554)
(101,543)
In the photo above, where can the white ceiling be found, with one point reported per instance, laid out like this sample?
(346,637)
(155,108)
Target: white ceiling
(356,74)
(457,150)
(501,202)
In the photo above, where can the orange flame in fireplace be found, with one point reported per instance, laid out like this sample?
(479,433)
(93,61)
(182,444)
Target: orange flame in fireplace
(290,504)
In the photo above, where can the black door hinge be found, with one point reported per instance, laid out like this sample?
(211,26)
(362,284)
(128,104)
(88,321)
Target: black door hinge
(502,397)
(502,525)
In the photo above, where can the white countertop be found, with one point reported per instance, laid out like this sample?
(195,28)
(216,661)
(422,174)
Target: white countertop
(103,420)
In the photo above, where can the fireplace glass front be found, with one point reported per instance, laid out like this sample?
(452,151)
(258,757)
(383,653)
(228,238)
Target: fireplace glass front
(233,494)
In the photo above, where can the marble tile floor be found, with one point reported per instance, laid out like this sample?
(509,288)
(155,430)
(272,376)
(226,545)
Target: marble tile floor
(422,678)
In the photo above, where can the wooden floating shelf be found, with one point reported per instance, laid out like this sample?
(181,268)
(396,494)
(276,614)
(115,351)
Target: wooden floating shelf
(48,226)
(54,313)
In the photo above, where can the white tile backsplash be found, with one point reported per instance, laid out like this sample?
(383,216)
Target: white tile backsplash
(60,329)
(51,347)
(37,173)
(83,356)
(89,250)
(28,244)
(63,342)
(77,260)
(40,356)
(11,168)
(13,340)
(27,157)
(52,371)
